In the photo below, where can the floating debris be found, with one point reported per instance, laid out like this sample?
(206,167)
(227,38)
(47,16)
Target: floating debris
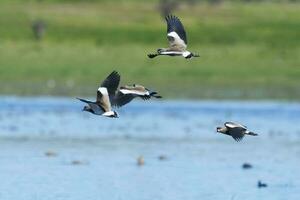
(247,166)
(140,161)
(162,157)
(261,184)
(79,162)
(50,154)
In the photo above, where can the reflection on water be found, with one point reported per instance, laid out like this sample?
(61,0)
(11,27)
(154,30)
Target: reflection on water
(52,150)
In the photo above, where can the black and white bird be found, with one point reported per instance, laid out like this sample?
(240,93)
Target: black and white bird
(235,130)
(177,40)
(127,93)
(107,90)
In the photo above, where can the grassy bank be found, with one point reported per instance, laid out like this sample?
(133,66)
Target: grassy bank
(247,51)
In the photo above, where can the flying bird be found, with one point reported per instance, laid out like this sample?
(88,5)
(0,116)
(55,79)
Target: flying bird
(107,90)
(127,93)
(177,40)
(235,130)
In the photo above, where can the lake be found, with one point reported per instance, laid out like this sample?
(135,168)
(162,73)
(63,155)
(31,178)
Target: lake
(50,149)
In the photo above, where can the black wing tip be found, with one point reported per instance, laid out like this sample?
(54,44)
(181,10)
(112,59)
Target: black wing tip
(238,139)
(114,73)
(114,76)
(171,16)
(82,100)
(145,97)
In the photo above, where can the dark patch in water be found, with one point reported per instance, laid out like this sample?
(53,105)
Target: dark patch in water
(247,166)
(261,184)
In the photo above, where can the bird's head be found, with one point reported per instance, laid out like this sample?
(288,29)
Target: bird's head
(86,108)
(219,129)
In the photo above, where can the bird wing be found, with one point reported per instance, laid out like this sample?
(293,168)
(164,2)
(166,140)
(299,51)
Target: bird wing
(103,99)
(237,133)
(234,125)
(111,83)
(136,90)
(123,99)
(85,101)
(93,105)
(176,33)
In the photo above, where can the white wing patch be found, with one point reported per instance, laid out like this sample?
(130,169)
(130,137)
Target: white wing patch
(234,125)
(103,90)
(171,52)
(124,91)
(177,40)
(109,113)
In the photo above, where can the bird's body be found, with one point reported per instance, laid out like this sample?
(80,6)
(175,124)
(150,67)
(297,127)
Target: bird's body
(107,90)
(235,130)
(176,36)
(127,93)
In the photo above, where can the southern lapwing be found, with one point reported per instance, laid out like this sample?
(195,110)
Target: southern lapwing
(107,90)
(127,93)
(235,130)
(177,40)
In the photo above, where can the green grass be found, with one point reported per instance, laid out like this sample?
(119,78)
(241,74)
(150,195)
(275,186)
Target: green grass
(247,51)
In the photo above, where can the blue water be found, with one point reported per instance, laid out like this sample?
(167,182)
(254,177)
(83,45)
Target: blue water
(199,164)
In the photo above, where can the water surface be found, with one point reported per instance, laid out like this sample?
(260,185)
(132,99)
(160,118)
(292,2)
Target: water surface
(199,164)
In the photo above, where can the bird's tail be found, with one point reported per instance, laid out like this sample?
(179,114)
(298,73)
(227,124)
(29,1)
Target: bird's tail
(196,55)
(251,133)
(154,94)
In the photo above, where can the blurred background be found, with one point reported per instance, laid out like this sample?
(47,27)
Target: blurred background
(249,49)
(52,51)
